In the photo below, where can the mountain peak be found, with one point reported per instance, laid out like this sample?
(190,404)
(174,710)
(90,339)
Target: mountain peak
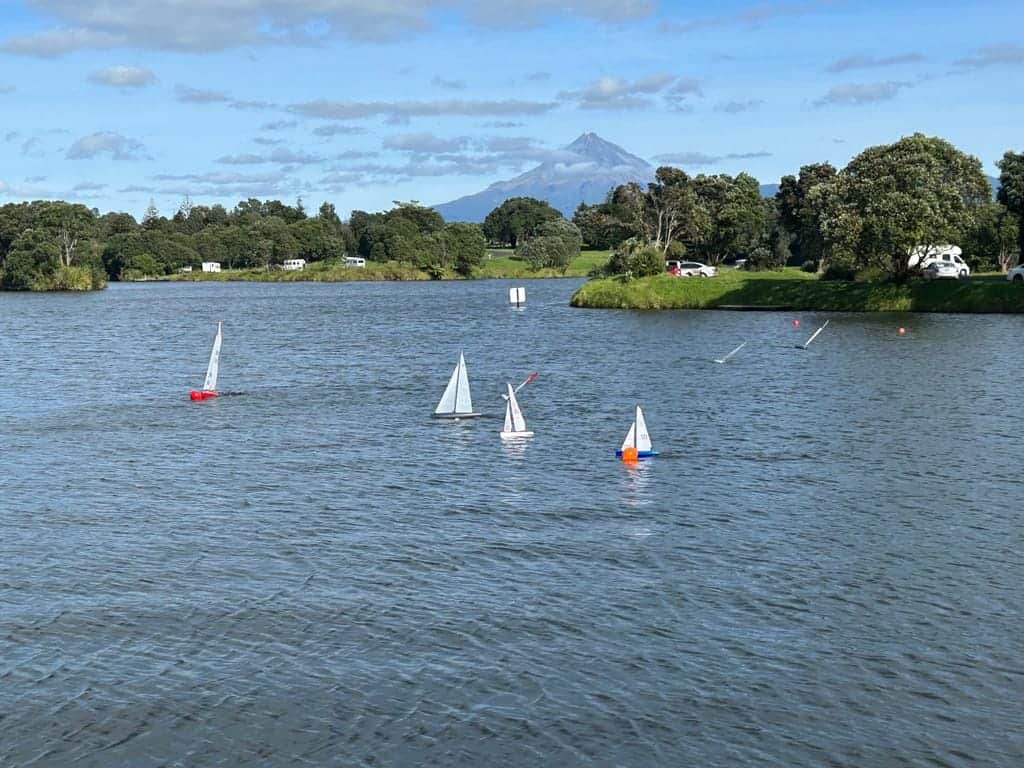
(584,171)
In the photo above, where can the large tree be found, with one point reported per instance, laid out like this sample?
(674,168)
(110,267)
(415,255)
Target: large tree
(517,219)
(891,199)
(800,213)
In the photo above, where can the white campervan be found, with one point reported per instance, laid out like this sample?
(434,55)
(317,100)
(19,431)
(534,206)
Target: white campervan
(294,264)
(354,261)
(925,255)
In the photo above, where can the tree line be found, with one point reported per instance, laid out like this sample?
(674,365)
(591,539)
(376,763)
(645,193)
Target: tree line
(46,245)
(863,220)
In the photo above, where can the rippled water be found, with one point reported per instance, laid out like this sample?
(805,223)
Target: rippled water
(824,566)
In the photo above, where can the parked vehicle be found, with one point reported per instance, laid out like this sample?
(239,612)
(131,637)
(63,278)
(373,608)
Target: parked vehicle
(949,254)
(940,269)
(696,269)
(1016,275)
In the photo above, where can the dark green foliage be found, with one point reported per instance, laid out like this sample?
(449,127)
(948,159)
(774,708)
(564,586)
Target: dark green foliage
(1011,190)
(809,266)
(554,245)
(517,219)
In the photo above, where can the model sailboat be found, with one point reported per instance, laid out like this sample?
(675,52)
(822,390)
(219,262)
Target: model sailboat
(515,424)
(210,383)
(456,402)
(637,444)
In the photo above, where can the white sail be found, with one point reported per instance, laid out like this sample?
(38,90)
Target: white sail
(463,400)
(630,437)
(508,417)
(210,384)
(643,440)
(518,422)
(456,398)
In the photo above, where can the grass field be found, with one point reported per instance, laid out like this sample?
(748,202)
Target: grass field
(497,264)
(501,263)
(795,290)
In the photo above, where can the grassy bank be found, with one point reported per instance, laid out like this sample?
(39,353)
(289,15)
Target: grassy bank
(795,290)
(498,264)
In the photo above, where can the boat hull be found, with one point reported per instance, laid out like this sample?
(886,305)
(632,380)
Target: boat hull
(457,416)
(514,435)
(640,454)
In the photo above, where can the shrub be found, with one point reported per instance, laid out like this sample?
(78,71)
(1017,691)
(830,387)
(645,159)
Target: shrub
(809,266)
(843,272)
(871,275)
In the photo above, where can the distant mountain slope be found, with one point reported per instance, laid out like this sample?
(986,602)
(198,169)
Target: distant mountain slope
(583,172)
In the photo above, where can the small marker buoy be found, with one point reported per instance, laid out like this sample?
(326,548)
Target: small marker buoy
(796,323)
(901,330)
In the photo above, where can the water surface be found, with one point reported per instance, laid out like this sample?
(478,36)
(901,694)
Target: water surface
(823,567)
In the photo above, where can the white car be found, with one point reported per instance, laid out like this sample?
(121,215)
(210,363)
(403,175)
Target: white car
(695,269)
(939,269)
(1016,275)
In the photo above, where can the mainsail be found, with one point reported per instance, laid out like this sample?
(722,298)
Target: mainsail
(637,436)
(456,398)
(210,384)
(514,421)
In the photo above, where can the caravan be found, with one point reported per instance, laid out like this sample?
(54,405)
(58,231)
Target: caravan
(354,261)
(923,256)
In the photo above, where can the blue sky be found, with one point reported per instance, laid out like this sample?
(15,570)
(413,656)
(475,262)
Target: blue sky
(361,102)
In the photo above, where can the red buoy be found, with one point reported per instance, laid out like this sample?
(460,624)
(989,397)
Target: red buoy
(197,394)
(902,330)
(796,323)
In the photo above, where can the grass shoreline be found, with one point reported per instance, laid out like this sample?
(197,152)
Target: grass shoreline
(500,265)
(793,290)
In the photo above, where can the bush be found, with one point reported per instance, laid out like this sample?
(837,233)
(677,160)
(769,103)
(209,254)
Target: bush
(809,266)
(556,244)
(871,275)
(647,261)
(839,272)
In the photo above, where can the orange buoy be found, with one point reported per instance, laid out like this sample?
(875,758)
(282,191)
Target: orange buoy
(629,454)
(902,330)
(796,323)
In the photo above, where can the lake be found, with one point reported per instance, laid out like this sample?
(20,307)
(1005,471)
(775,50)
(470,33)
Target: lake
(823,567)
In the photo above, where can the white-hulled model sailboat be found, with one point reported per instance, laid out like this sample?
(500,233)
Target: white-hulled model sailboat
(515,424)
(456,402)
(637,444)
(210,383)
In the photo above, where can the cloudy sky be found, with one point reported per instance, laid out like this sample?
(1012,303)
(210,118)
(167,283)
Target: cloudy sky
(361,102)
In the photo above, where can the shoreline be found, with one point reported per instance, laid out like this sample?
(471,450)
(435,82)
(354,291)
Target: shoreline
(792,291)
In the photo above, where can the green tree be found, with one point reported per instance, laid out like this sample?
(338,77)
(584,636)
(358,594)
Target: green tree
(891,199)
(554,245)
(464,246)
(991,240)
(517,219)
(799,212)
(1011,191)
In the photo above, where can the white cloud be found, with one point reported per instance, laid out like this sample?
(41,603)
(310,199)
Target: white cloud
(214,25)
(873,62)
(116,146)
(751,16)
(425,143)
(327,109)
(1006,54)
(123,77)
(280,155)
(859,94)
(693,159)
(735,107)
(619,93)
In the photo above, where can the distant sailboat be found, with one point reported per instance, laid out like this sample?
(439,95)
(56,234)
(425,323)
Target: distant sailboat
(456,402)
(515,424)
(210,383)
(637,444)
(814,335)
